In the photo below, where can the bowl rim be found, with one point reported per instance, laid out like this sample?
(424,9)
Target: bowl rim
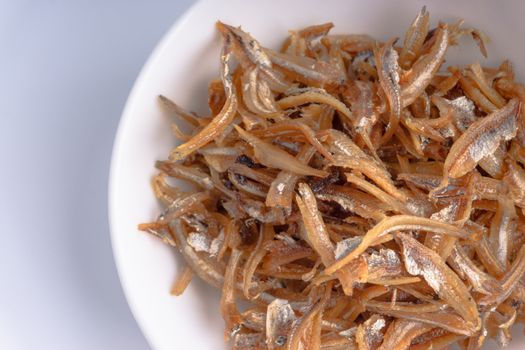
(124,120)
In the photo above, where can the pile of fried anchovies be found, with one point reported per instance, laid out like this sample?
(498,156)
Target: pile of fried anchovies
(355,192)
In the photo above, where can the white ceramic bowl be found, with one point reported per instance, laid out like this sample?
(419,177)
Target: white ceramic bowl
(180,67)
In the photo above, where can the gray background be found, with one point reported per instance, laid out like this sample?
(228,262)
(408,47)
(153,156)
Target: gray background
(66,68)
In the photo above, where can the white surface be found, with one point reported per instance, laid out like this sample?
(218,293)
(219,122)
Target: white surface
(66,68)
(180,68)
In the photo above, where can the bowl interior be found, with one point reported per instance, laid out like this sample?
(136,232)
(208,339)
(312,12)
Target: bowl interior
(184,62)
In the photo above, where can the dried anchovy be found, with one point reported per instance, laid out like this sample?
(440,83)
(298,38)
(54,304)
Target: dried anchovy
(480,140)
(388,72)
(352,195)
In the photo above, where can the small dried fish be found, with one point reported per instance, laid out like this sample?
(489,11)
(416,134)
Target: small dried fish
(184,205)
(182,282)
(481,139)
(232,317)
(256,93)
(209,271)
(401,333)
(248,341)
(461,109)
(388,72)
(354,201)
(165,193)
(508,282)
(475,94)
(255,259)
(384,264)
(363,110)
(259,211)
(221,121)
(274,157)
(353,43)
(311,95)
(493,163)
(349,155)
(502,225)
(306,332)
(317,234)
(484,187)
(307,70)
(477,75)
(420,75)
(159,230)
(443,319)
(345,246)
(369,334)
(515,180)
(279,320)
(179,111)
(414,38)
(419,260)
(440,342)
(304,129)
(281,189)
(481,282)
(394,204)
(249,52)
(185,173)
